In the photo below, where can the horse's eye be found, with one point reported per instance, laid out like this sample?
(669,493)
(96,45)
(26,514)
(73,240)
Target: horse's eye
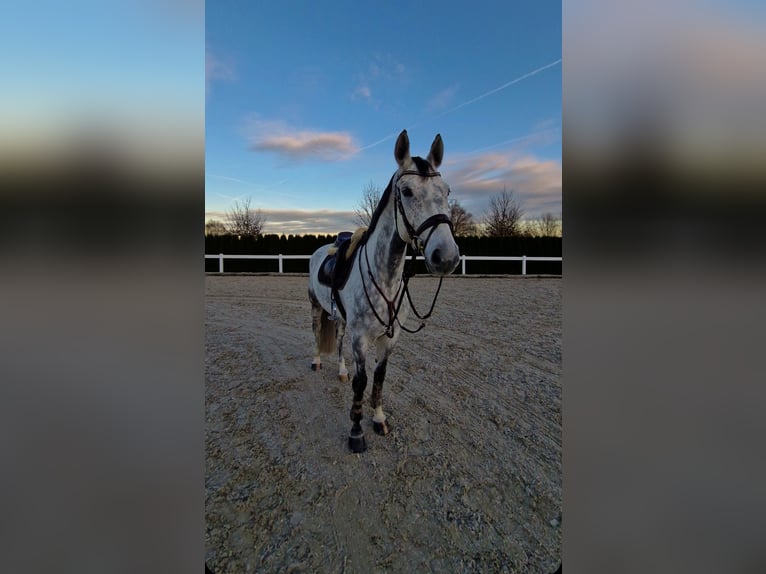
(407,192)
(449,191)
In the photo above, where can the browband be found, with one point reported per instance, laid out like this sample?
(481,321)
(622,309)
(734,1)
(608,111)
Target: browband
(415,172)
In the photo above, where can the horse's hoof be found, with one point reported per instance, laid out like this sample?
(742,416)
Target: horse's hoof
(381,428)
(316,366)
(357,443)
(343,378)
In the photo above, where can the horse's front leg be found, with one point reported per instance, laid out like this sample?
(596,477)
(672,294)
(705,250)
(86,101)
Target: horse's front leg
(376,397)
(356,440)
(379,418)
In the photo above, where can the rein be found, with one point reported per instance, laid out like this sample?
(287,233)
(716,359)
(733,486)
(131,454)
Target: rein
(418,246)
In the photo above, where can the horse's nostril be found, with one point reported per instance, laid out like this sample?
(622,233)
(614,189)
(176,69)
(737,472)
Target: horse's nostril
(436,257)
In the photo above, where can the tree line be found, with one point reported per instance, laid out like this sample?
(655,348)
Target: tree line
(241,220)
(503,218)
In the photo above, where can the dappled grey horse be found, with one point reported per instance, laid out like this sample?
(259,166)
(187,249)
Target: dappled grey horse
(360,284)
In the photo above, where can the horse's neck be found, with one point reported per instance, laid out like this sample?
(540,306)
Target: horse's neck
(386,250)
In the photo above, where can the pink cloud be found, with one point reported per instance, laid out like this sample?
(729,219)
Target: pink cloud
(536,182)
(296,145)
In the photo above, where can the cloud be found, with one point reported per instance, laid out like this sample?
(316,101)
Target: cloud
(301,222)
(441,100)
(535,182)
(384,67)
(362,92)
(309,222)
(381,71)
(216,69)
(297,145)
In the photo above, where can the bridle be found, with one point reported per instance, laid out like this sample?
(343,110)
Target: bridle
(418,246)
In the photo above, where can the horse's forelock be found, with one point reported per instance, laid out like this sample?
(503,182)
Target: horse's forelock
(424,168)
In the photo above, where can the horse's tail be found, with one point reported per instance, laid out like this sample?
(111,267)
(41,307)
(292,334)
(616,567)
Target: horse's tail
(327,334)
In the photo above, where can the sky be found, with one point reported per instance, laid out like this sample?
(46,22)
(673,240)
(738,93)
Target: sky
(304,101)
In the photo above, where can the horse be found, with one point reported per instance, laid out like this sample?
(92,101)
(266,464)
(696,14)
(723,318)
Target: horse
(367,300)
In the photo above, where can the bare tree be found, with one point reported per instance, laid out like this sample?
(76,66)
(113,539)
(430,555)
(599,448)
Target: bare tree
(547,226)
(215,227)
(371,195)
(503,219)
(462,221)
(242,220)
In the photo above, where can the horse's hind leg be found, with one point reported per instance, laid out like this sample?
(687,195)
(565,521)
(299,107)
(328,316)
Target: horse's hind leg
(316,326)
(342,370)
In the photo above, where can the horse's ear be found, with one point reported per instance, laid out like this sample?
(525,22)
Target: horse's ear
(402,148)
(436,154)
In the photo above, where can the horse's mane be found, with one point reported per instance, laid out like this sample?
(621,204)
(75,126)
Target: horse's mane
(384,199)
(423,167)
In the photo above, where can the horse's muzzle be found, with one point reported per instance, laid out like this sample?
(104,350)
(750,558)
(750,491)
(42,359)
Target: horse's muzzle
(442,255)
(441,264)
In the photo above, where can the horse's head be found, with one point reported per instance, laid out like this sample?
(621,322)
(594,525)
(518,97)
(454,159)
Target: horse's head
(422,210)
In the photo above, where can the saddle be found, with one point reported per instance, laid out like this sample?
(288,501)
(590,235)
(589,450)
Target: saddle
(336,267)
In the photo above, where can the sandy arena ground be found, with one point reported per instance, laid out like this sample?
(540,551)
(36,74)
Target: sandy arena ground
(469,480)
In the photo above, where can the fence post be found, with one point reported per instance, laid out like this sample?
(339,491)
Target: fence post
(280,263)
(462,257)
(220,263)
(523,264)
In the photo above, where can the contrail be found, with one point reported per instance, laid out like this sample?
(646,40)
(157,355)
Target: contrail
(499,88)
(466,103)
(227,178)
(237,180)
(257,188)
(388,137)
(230,197)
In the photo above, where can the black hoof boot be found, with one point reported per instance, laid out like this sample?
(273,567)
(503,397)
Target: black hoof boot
(316,366)
(356,442)
(381,428)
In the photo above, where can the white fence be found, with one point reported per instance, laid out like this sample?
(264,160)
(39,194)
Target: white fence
(463,258)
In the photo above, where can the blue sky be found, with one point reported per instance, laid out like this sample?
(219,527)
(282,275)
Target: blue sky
(304,101)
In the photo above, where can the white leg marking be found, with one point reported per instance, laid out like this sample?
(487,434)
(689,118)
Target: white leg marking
(342,371)
(379,417)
